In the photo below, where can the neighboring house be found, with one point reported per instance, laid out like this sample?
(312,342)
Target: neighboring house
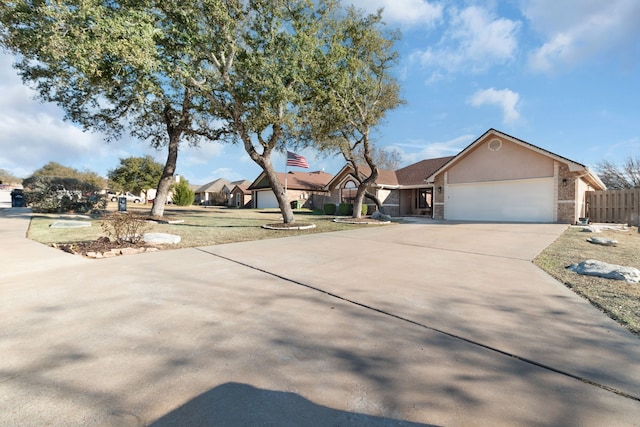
(496,178)
(307,189)
(212,193)
(240,196)
(228,190)
(502,178)
(401,192)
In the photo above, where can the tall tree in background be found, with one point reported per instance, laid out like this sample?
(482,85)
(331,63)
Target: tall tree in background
(355,92)
(7,178)
(136,174)
(116,66)
(72,179)
(620,176)
(255,70)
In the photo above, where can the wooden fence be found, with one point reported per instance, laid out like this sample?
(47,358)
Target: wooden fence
(614,206)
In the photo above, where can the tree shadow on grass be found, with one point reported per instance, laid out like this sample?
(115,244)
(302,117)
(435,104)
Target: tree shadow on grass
(235,404)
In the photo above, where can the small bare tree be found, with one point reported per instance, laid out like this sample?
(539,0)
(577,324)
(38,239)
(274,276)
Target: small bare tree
(621,176)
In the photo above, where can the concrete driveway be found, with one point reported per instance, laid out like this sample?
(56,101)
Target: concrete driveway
(415,324)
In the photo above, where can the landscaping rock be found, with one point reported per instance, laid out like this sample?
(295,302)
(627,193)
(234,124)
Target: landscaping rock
(161,238)
(593,267)
(380,216)
(591,229)
(602,241)
(70,224)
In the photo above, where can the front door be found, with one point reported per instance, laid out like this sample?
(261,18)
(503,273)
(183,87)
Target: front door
(424,202)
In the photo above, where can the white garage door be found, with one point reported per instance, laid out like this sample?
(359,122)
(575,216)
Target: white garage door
(527,200)
(266,199)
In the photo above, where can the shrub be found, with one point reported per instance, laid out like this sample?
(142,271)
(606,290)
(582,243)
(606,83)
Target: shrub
(329,209)
(345,209)
(50,195)
(124,227)
(183,195)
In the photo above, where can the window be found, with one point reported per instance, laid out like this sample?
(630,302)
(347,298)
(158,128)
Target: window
(348,192)
(425,196)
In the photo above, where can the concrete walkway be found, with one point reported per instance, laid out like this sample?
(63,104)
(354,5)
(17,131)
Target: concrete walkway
(415,324)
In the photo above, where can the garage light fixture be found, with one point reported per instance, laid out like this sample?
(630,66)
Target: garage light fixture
(564,182)
(439,189)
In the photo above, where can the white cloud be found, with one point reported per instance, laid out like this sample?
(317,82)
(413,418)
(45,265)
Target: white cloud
(475,41)
(506,99)
(431,150)
(203,153)
(578,31)
(406,12)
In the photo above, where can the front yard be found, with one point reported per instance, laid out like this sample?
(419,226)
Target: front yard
(618,299)
(200,227)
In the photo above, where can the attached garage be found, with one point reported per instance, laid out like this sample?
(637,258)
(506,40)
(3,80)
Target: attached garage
(528,200)
(265,199)
(502,178)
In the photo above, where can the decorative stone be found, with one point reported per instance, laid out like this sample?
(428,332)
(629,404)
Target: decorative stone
(593,267)
(70,224)
(602,241)
(591,229)
(161,238)
(380,216)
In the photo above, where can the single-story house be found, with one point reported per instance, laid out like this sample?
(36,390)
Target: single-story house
(217,192)
(401,192)
(496,178)
(228,190)
(307,189)
(212,193)
(240,196)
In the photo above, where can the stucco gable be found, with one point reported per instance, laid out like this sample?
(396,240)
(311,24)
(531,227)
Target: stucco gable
(510,158)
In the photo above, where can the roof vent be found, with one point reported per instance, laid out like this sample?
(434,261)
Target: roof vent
(494,145)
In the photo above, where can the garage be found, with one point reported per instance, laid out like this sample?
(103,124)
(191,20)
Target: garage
(522,200)
(265,199)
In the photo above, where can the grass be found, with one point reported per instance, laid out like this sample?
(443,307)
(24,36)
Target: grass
(201,227)
(618,299)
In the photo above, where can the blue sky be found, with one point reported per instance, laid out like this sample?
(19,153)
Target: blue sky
(563,75)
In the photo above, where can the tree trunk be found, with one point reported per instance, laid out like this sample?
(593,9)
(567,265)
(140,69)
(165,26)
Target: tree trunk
(167,176)
(279,191)
(357,203)
(375,200)
(362,188)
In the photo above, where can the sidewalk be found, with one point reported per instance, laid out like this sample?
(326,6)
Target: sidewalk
(368,327)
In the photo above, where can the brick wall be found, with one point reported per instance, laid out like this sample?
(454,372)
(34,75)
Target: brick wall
(438,197)
(566,184)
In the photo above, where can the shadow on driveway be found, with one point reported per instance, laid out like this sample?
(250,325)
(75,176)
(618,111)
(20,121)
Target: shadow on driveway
(235,404)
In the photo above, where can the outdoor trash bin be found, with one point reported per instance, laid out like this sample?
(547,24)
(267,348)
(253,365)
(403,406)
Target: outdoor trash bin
(122,204)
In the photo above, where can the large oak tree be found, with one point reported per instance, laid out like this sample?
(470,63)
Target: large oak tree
(115,66)
(353,95)
(255,72)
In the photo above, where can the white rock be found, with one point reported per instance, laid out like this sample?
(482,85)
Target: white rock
(592,267)
(161,238)
(70,224)
(602,241)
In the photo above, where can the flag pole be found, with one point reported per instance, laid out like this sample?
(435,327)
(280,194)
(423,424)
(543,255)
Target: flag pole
(286,164)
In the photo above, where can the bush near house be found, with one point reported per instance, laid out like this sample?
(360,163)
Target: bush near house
(329,209)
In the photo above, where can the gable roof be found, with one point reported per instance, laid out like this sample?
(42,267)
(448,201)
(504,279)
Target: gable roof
(416,173)
(573,166)
(309,181)
(243,187)
(214,186)
(413,175)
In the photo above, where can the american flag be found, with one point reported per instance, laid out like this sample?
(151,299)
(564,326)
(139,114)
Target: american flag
(294,159)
